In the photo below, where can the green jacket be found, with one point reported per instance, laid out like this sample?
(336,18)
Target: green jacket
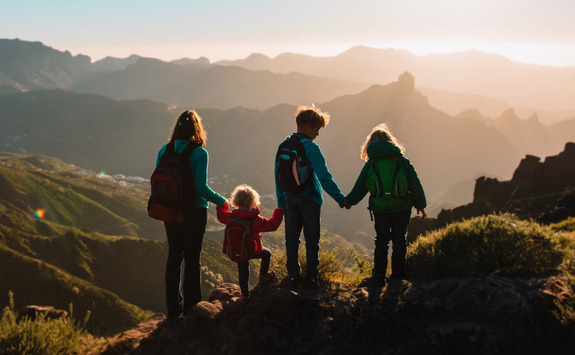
(383,149)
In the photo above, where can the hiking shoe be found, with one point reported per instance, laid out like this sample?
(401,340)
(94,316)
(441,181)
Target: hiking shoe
(313,282)
(174,320)
(372,281)
(271,276)
(293,280)
(397,276)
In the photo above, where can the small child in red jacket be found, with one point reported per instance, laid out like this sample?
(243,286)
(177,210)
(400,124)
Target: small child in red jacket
(247,201)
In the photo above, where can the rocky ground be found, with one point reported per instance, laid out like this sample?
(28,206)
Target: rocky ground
(477,314)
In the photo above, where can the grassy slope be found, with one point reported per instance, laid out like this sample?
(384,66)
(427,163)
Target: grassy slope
(87,240)
(38,282)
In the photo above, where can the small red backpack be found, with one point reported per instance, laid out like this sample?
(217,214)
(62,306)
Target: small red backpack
(239,244)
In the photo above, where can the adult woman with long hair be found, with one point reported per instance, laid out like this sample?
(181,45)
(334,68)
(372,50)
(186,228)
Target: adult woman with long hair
(185,239)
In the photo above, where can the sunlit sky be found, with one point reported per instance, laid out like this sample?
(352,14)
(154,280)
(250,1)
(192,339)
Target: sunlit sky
(533,31)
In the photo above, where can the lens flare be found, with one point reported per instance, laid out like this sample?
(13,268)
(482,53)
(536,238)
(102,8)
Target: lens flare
(39,213)
(102,174)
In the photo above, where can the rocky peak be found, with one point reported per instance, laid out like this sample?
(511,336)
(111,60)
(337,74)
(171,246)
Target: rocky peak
(541,190)
(508,116)
(406,81)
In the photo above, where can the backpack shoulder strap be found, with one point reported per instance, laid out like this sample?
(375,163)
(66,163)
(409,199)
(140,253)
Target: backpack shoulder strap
(189,149)
(299,138)
(378,176)
(170,148)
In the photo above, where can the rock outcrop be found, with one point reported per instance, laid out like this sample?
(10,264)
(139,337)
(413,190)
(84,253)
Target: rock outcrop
(473,315)
(34,312)
(544,191)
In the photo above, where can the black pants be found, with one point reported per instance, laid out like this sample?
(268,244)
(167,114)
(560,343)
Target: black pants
(185,243)
(244,269)
(390,227)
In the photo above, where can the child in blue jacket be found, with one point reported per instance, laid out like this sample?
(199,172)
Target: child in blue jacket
(303,209)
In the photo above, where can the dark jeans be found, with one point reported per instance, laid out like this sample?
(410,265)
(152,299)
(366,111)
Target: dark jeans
(390,227)
(185,243)
(302,212)
(244,269)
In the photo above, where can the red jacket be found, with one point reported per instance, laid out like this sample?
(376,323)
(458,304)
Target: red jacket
(259,224)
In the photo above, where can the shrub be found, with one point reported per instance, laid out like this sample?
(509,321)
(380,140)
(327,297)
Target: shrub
(42,336)
(567,225)
(334,264)
(484,245)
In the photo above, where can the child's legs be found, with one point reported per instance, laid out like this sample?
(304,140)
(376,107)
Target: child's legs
(244,276)
(398,231)
(293,224)
(311,230)
(265,255)
(382,237)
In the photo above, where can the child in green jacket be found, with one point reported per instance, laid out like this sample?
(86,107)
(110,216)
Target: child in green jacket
(391,222)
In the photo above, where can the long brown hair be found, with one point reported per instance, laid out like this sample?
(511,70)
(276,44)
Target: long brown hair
(189,127)
(381,132)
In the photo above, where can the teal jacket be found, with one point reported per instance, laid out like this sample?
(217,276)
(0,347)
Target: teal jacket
(199,162)
(321,177)
(382,149)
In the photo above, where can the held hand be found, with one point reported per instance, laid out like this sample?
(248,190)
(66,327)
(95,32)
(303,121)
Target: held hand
(423,214)
(346,205)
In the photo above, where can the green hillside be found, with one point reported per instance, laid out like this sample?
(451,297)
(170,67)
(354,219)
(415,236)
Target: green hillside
(91,247)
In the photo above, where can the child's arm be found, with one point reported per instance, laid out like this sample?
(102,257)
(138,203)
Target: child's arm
(415,187)
(262,224)
(224,215)
(360,188)
(319,166)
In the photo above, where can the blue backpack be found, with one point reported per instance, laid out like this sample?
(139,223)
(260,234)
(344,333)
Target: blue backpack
(293,170)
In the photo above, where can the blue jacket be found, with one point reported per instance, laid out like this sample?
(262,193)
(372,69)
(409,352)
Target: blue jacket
(199,162)
(321,177)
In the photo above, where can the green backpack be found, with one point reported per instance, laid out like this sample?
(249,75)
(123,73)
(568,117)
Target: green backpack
(387,184)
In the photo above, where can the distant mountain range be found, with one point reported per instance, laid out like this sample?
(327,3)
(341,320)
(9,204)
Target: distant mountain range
(26,66)
(122,137)
(471,72)
(452,82)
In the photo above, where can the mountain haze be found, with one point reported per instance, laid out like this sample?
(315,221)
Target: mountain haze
(453,82)
(472,72)
(123,137)
(26,66)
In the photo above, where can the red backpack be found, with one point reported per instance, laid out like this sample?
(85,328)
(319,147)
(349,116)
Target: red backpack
(239,244)
(172,185)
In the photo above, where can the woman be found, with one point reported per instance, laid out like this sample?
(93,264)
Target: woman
(185,239)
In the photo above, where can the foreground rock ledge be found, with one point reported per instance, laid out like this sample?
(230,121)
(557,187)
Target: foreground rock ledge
(472,315)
